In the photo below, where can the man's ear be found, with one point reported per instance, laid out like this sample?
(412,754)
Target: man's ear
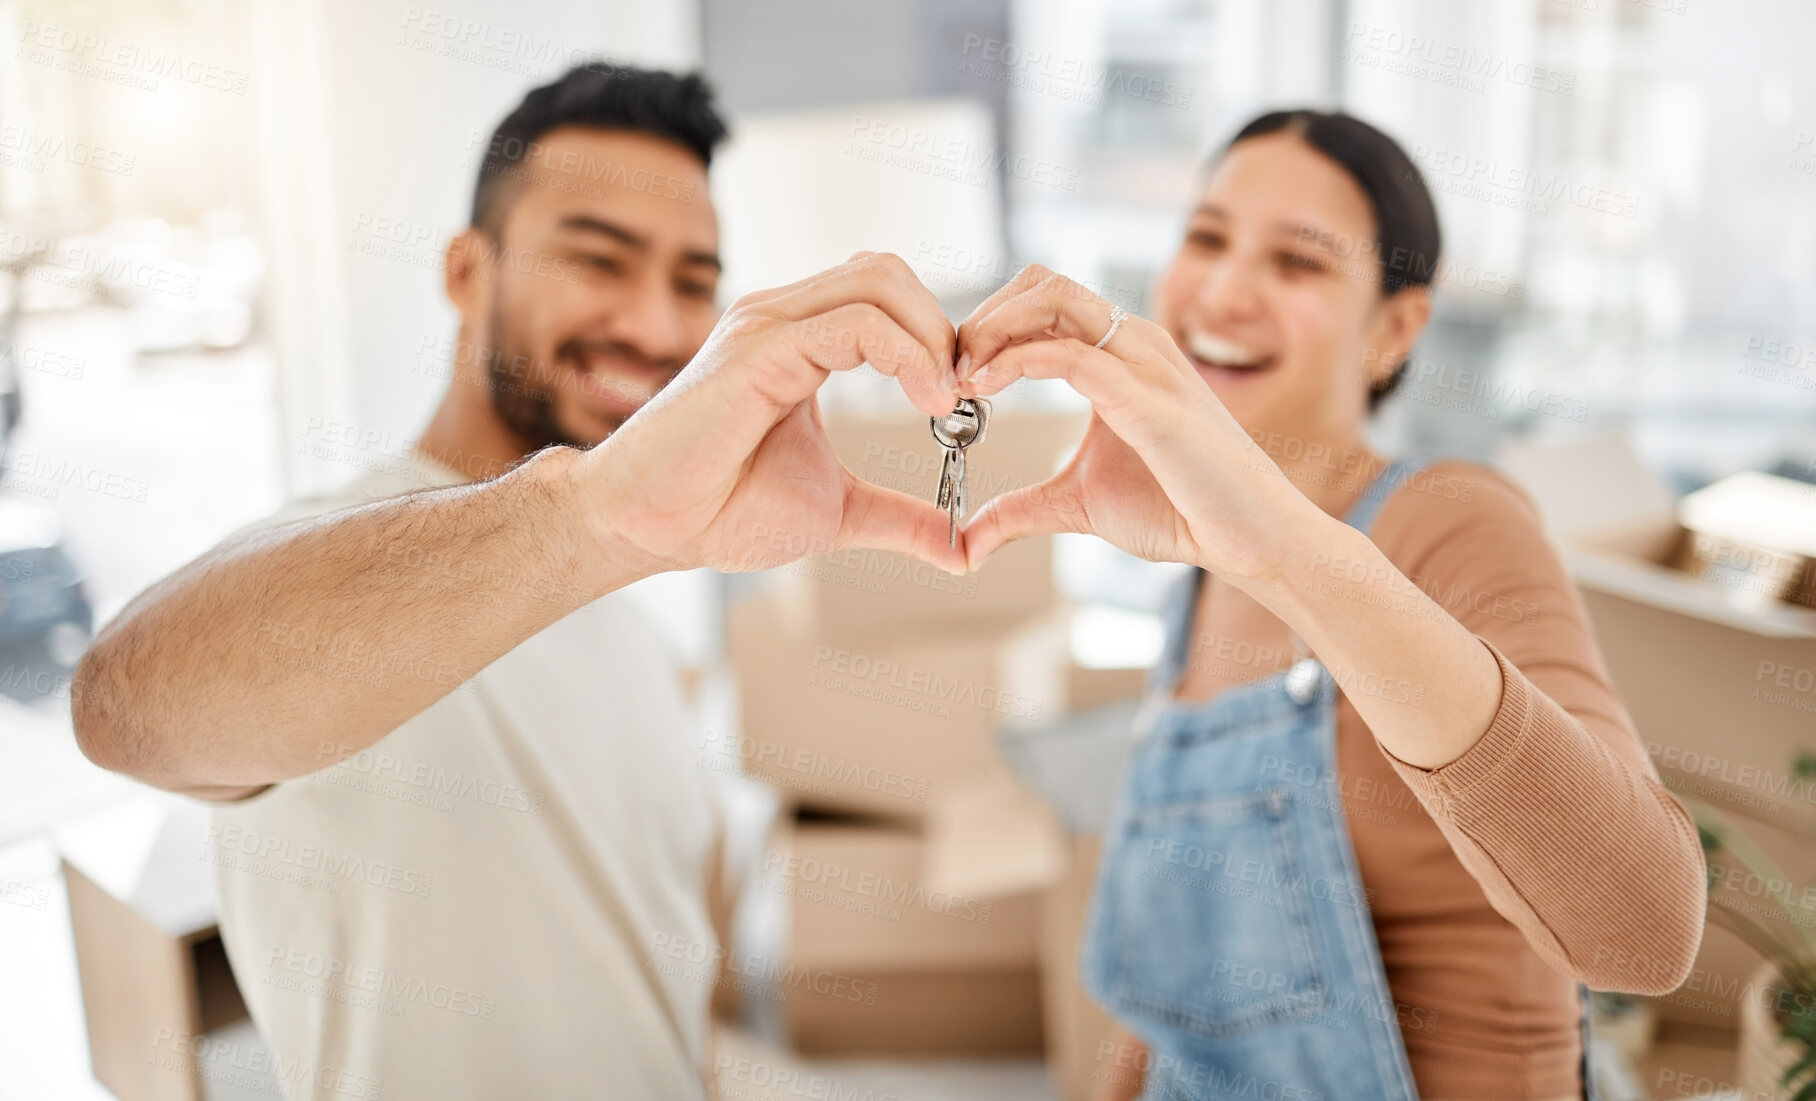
(466,269)
(1398,322)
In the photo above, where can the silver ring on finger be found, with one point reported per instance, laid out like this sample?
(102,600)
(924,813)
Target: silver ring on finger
(1117,316)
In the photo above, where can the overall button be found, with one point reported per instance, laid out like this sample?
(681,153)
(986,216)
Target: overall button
(1302,680)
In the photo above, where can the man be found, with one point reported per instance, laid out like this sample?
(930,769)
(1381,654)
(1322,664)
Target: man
(445,884)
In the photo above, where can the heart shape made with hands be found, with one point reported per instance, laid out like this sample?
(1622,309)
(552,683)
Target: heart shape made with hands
(768,487)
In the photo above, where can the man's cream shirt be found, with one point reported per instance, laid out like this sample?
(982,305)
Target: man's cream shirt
(473,906)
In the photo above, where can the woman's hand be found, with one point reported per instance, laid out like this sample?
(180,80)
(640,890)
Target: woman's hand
(729,466)
(1167,472)
(1164,471)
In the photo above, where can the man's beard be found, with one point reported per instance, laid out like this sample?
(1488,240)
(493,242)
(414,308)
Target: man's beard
(524,388)
(525,404)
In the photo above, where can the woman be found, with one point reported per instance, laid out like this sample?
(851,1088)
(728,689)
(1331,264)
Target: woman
(1387,816)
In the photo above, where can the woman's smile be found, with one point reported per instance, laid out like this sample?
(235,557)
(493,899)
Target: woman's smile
(1220,360)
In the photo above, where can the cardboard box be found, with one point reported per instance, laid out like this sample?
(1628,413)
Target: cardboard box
(859,900)
(1753,533)
(881,727)
(997,836)
(1090,688)
(153,969)
(1076,1027)
(1721,687)
(878,962)
(933,980)
(1001,837)
(1689,1060)
(992,838)
(951,1014)
(866,594)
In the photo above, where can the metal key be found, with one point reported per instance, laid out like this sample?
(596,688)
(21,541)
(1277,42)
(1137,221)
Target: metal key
(955,431)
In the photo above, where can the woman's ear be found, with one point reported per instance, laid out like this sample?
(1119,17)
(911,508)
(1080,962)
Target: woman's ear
(1399,320)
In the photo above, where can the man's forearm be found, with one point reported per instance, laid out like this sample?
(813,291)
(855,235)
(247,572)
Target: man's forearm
(235,671)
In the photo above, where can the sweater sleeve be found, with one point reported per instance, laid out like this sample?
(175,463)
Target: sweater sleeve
(1555,811)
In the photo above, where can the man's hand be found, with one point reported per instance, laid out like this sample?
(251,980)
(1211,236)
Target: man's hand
(729,465)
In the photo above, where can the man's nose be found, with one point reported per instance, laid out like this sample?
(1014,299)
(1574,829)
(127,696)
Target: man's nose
(650,321)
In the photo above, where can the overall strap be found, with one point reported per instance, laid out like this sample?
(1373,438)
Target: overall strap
(1176,616)
(1182,599)
(1361,515)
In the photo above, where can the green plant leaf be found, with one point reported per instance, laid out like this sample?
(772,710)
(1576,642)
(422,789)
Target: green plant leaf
(1800,1067)
(1712,825)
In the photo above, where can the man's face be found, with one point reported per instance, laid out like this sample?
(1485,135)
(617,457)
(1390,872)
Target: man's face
(601,285)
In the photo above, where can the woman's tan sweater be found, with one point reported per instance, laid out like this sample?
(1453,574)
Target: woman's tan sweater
(1546,855)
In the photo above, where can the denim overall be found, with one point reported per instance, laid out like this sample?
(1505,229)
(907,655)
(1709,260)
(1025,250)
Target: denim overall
(1230,929)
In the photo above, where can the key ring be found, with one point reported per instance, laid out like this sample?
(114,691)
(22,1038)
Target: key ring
(968,411)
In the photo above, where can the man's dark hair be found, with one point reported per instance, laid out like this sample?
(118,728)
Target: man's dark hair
(1406,221)
(601,95)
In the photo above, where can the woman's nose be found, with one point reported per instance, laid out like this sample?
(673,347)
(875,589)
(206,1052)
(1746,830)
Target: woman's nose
(1230,289)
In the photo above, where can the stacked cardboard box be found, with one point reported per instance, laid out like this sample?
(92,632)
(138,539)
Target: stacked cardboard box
(884,962)
(1720,683)
(870,683)
(882,725)
(919,876)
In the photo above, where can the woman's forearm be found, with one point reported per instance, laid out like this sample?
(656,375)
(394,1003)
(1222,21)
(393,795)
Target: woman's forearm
(1570,835)
(1422,682)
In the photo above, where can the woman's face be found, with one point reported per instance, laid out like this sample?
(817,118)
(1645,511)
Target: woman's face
(1275,293)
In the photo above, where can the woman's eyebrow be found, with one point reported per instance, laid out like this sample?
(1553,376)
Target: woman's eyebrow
(1302,233)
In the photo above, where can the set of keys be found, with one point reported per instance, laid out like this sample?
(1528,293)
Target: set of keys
(956,431)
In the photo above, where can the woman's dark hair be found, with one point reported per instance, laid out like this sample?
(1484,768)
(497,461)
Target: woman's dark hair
(1406,221)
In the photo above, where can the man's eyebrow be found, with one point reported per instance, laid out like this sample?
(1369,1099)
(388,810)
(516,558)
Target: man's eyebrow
(589,224)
